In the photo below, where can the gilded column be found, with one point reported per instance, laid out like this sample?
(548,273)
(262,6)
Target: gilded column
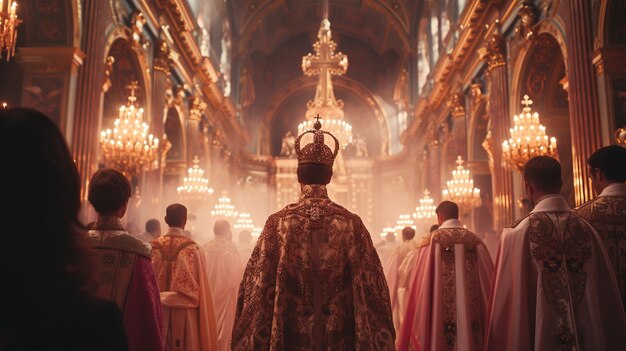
(153,189)
(88,108)
(584,112)
(502,178)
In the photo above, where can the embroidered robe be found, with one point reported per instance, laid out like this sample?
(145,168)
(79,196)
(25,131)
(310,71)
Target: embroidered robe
(554,288)
(314,282)
(449,292)
(225,270)
(125,276)
(188,315)
(607,215)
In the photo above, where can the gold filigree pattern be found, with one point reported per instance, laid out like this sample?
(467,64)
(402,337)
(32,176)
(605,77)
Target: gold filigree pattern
(447,239)
(607,214)
(562,264)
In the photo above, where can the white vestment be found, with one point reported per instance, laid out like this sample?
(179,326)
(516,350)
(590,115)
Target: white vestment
(554,288)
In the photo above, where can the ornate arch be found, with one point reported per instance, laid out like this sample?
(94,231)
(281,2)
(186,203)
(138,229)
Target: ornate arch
(302,83)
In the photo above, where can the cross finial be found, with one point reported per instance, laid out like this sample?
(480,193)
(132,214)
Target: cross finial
(132,87)
(196,161)
(459,162)
(317,118)
(426,193)
(527,102)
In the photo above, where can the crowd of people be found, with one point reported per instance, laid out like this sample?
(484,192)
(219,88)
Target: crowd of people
(314,280)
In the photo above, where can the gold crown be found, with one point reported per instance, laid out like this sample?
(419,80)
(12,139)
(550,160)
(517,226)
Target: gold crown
(316,152)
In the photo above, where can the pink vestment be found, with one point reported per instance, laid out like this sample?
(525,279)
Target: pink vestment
(554,288)
(225,270)
(125,276)
(396,279)
(188,314)
(448,296)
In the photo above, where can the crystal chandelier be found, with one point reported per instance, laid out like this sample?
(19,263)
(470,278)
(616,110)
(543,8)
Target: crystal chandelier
(8,28)
(528,139)
(128,147)
(244,222)
(460,189)
(195,185)
(341,129)
(388,230)
(224,208)
(256,231)
(426,209)
(404,221)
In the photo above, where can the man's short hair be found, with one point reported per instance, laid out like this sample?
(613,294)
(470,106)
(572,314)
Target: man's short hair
(544,174)
(448,210)
(245,236)
(611,160)
(221,227)
(109,190)
(312,173)
(433,228)
(152,225)
(175,215)
(408,233)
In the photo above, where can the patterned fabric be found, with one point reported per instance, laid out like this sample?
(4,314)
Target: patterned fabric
(314,282)
(607,214)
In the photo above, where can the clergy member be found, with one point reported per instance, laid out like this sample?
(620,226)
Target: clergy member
(314,281)
(554,288)
(125,274)
(392,271)
(188,315)
(607,212)
(225,269)
(448,296)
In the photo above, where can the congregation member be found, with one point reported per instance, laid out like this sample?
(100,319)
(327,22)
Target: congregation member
(153,231)
(47,301)
(607,212)
(188,314)
(449,292)
(314,281)
(225,270)
(393,269)
(554,287)
(125,273)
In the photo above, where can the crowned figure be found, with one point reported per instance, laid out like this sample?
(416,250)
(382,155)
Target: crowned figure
(314,281)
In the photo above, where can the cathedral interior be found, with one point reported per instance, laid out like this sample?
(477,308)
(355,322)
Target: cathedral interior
(415,89)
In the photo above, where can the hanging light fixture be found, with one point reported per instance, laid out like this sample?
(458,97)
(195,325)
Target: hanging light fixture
(195,186)
(404,221)
(426,209)
(461,188)
(256,231)
(224,208)
(244,222)
(388,230)
(8,28)
(129,147)
(528,139)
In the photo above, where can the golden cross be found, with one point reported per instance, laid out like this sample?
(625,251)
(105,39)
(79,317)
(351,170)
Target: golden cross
(317,118)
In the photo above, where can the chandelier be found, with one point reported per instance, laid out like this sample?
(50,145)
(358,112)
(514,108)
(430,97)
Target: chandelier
(388,230)
(426,209)
(195,185)
(404,221)
(460,189)
(256,231)
(224,208)
(244,222)
(128,147)
(528,139)
(8,28)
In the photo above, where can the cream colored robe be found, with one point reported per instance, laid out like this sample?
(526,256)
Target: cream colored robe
(447,298)
(225,270)
(188,314)
(554,288)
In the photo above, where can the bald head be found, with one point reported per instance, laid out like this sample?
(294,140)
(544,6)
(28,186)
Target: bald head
(176,216)
(447,210)
(221,229)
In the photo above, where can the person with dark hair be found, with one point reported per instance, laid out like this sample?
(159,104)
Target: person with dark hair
(554,288)
(125,272)
(314,281)
(607,212)
(433,228)
(153,231)
(188,313)
(225,269)
(449,291)
(47,300)
(245,245)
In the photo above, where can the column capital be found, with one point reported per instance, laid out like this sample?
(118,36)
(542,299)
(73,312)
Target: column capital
(494,50)
(162,59)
